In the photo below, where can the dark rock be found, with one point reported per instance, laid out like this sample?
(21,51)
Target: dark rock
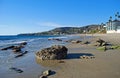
(16,69)
(23,43)
(86,42)
(57,39)
(68,40)
(76,41)
(53,52)
(19,55)
(10,47)
(16,49)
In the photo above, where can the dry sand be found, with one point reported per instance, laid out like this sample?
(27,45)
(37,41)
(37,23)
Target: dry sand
(104,65)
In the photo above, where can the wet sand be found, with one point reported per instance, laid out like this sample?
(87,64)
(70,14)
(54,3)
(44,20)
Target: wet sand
(104,65)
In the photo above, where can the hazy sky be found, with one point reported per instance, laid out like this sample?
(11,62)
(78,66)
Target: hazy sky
(24,16)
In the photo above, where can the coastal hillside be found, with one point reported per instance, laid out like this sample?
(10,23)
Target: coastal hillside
(89,29)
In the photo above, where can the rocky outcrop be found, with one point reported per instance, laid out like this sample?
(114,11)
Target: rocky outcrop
(52,53)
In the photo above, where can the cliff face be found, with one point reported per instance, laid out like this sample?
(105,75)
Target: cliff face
(72,30)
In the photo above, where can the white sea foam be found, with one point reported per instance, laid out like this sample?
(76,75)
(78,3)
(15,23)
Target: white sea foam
(62,37)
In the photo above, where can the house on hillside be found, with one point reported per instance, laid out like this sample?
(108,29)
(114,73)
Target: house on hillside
(113,26)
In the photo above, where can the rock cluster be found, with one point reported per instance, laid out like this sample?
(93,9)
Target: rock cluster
(17,49)
(52,53)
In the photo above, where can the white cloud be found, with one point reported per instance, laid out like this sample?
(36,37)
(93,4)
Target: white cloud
(52,24)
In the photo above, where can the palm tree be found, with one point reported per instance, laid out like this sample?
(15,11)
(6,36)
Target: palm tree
(118,15)
(111,18)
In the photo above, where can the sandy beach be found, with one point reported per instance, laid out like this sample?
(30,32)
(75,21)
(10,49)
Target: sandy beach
(104,65)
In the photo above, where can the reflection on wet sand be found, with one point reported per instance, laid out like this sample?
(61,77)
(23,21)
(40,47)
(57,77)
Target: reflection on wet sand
(48,63)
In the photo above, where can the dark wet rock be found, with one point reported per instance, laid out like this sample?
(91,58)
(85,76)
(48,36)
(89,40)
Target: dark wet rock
(69,40)
(76,41)
(16,49)
(52,53)
(85,42)
(23,43)
(16,69)
(57,39)
(6,48)
(21,54)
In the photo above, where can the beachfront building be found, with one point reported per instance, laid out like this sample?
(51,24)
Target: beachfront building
(113,26)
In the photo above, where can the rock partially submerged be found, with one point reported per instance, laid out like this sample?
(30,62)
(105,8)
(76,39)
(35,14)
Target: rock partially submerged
(16,69)
(52,53)
(21,54)
(23,43)
(9,47)
(15,48)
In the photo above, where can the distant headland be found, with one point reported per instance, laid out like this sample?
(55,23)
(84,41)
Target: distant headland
(89,29)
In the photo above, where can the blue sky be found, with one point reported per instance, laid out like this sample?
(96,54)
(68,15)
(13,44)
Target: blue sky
(26,16)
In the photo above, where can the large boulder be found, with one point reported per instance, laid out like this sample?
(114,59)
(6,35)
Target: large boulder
(52,53)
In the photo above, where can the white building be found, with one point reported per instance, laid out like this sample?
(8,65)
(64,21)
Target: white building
(113,26)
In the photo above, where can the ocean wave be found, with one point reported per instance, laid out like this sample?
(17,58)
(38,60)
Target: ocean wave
(35,39)
(11,43)
(62,37)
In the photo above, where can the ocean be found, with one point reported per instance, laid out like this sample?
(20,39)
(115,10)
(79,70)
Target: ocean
(26,62)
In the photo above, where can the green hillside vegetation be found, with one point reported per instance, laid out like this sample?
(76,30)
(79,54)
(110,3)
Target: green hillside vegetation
(89,29)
